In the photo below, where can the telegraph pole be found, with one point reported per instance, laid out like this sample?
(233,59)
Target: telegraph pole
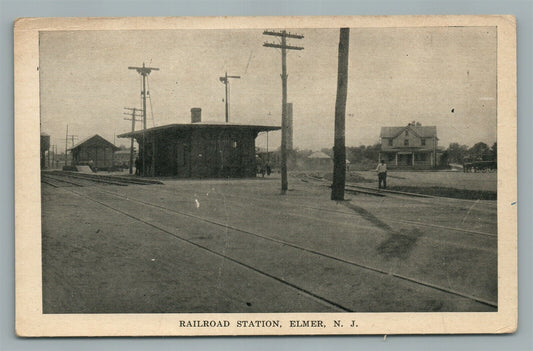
(72,137)
(284,123)
(133,119)
(339,148)
(144,72)
(225,81)
(66,146)
(53,155)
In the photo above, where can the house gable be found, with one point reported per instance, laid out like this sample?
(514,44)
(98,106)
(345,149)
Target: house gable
(93,141)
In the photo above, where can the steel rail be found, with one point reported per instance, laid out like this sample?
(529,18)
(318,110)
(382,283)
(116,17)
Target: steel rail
(416,223)
(309,250)
(323,300)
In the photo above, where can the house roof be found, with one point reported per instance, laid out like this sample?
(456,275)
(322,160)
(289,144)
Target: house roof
(94,138)
(318,154)
(420,131)
(200,125)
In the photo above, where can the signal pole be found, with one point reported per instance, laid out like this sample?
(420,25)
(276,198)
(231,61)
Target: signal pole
(144,72)
(284,123)
(225,81)
(133,119)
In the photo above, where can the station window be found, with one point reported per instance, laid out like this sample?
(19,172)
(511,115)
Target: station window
(423,142)
(406,142)
(406,133)
(390,142)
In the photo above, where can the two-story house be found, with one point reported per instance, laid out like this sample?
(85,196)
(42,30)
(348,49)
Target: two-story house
(412,146)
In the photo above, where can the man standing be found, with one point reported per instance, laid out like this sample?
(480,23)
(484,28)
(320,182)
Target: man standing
(382,174)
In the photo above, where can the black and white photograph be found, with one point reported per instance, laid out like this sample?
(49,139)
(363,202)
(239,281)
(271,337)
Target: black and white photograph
(268,176)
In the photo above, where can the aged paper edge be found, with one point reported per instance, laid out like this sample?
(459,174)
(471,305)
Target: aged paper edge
(31,322)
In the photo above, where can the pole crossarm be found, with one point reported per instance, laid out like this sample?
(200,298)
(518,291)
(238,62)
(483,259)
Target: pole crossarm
(279,46)
(283,34)
(144,71)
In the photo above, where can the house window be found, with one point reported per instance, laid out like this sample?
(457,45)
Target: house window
(390,142)
(423,142)
(406,142)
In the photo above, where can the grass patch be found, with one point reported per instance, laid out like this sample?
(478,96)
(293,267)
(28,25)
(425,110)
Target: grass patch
(448,192)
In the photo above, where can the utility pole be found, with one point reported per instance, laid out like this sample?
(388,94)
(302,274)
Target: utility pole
(133,119)
(339,148)
(284,123)
(66,146)
(72,137)
(51,154)
(225,81)
(144,72)
(268,154)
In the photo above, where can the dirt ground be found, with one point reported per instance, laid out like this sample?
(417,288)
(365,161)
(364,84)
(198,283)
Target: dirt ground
(240,246)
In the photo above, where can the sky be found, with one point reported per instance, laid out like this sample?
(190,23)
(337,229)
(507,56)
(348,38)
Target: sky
(396,75)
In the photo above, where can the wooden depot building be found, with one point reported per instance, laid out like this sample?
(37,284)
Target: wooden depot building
(198,149)
(95,151)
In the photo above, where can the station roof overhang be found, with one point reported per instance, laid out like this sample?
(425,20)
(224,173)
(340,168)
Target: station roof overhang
(201,125)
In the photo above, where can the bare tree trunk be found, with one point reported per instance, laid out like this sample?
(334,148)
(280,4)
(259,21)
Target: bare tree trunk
(339,148)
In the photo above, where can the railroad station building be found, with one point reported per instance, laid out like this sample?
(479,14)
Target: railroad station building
(94,150)
(411,146)
(198,149)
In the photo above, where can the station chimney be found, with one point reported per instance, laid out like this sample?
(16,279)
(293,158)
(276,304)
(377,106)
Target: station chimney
(196,115)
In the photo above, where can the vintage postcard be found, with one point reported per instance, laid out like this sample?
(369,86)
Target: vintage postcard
(265,175)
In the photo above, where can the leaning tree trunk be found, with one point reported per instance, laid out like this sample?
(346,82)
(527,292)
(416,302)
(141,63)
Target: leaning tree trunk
(339,148)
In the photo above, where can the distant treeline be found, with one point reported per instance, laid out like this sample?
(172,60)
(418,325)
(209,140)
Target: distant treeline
(455,153)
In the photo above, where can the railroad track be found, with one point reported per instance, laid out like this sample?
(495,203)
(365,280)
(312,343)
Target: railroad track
(308,250)
(59,181)
(386,192)
(388,219)
(366,190)
(60,178)
(114,178)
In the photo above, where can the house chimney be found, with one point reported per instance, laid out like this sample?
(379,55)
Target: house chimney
(196,115)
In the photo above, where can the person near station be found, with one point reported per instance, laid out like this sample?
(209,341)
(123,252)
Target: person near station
(382,174)
(138,166)
(268,169)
